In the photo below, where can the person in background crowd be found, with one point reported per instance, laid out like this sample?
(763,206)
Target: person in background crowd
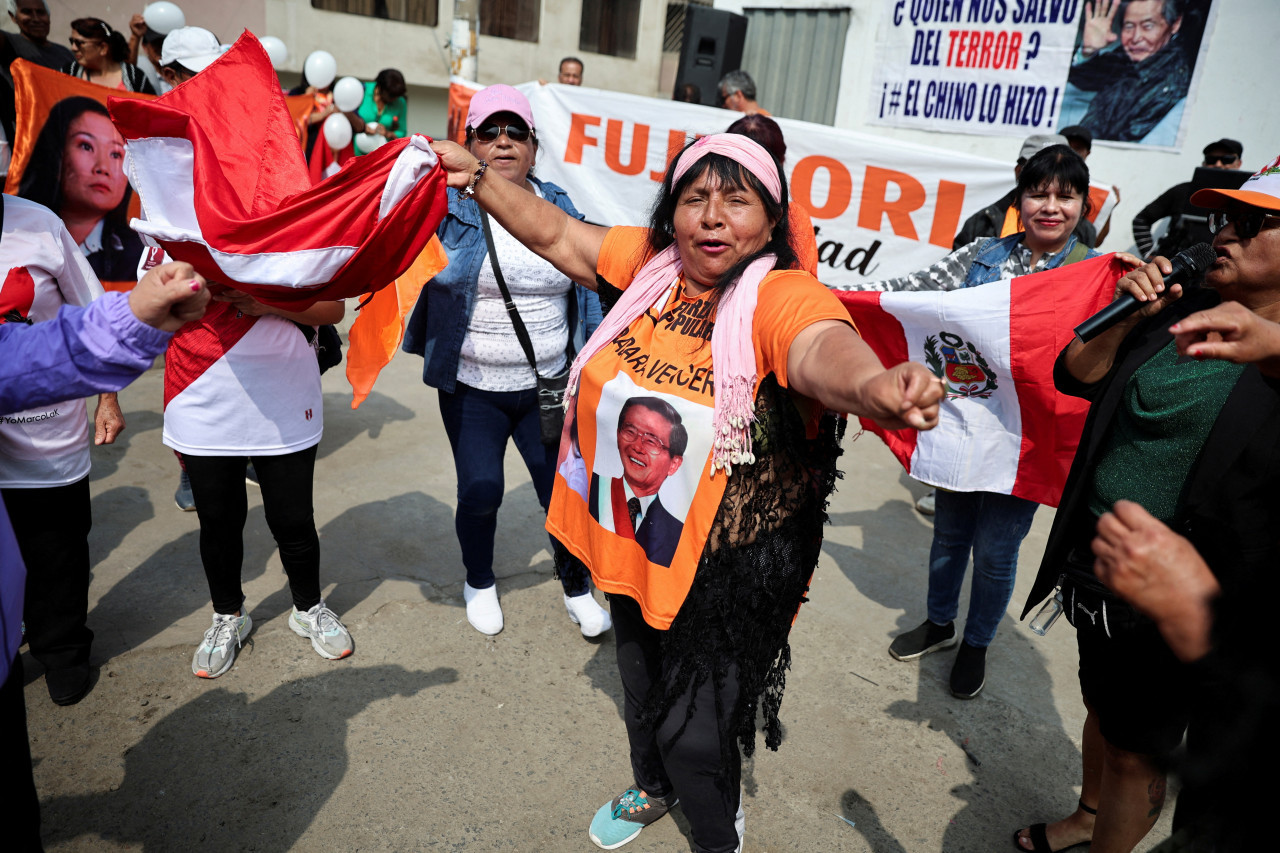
(384,108)
(738,92)
(463,329)
(765,131)
(30,42)
(102,57)
(1182,232)
(687,93)
(1193,442)
(570,71)
(1052,196)
(1081,142)
(1000,219)
(145,47)
(99,349)
(1130,77)
(702,644)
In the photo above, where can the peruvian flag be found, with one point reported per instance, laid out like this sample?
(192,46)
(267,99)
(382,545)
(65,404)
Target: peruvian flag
(224,186)
(1002,427)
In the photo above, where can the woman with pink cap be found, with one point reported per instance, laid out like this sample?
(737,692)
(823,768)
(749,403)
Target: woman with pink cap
(468,335)
(701,408)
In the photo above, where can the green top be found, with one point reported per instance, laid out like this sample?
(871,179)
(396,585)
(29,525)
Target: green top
(1168,408)
(393,117)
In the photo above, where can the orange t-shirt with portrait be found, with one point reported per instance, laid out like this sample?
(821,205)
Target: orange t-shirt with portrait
(642,420)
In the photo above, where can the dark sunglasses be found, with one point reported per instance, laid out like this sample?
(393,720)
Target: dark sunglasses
(1219,159)
(490,132)
(1247,220)
(75,42)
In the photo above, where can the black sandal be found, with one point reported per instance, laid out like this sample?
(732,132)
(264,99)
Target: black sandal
(1040,839)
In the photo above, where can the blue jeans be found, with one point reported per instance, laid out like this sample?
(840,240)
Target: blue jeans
(992,526)
(478,424)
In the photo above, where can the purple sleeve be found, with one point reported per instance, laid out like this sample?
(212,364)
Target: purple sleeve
(80,352)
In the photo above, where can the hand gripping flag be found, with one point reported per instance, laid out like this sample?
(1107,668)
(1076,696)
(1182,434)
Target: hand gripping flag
(1002,426)
(224,186)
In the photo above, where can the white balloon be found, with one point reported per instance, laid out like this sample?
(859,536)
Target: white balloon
(348,93)
(163,17)
(337,132)
(367,143)
(275,49)
(320,68)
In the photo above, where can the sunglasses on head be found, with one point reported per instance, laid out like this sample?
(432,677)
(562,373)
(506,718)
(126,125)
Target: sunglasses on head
(1219,159)
(1247,220)
(489,132)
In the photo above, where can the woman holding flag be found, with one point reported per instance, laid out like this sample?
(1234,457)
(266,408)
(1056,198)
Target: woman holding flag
(701,400)
(1052,196)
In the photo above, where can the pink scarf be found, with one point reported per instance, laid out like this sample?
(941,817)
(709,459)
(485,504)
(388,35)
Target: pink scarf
(733,354)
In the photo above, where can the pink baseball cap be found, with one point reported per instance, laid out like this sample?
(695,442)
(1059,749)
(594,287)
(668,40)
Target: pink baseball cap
(498,98)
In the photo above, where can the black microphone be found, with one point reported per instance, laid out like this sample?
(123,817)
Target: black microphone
(1192,261)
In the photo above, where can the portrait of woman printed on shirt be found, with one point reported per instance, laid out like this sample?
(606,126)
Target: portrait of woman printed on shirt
(77,171)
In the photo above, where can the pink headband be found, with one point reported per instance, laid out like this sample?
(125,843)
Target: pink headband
(744,151)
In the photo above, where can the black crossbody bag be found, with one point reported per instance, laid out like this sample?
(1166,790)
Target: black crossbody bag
(550,388)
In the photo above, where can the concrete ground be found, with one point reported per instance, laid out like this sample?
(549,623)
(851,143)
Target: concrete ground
(434,737)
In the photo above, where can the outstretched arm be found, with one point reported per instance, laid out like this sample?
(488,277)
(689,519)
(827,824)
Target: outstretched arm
(829,362)
(568,244)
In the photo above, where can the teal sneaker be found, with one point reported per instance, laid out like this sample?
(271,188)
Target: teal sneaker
(217,651)
(620,821)
(329,637)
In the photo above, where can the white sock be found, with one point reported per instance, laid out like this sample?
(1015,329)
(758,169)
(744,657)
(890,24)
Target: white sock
(483,611)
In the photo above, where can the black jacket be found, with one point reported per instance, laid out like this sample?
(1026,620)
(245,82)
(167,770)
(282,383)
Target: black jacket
(1231,511)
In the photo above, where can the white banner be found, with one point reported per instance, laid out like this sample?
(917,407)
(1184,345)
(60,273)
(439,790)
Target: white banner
(882,208)
(1014,67)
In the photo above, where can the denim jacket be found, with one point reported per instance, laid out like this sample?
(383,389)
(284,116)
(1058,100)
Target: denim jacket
(439,321)
(987,264)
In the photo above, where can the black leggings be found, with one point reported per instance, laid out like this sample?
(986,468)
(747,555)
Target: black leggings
(690,768)
(218,484)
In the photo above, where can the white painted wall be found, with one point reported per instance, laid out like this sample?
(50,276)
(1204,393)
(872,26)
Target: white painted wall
(1231,101)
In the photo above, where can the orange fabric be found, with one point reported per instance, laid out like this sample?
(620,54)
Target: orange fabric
(1012,223)
(300,106)
(803,238)
(378,329)
(666,353)
(459,105)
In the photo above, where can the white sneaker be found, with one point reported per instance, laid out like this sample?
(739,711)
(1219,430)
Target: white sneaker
(925,504)
(483,611)
(587,614)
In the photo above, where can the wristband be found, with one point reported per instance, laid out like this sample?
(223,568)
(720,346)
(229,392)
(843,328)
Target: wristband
(475,179)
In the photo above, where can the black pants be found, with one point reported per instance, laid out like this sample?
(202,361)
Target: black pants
(217,482)
(52,528)
(22,805)
(690,767)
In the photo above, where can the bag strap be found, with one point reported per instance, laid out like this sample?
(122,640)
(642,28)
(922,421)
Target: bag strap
(1078,253)
(521,332)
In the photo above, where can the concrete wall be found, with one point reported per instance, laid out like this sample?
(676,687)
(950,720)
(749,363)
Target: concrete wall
(1227,104)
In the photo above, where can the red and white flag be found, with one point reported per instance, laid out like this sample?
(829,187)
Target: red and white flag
(1002,426)
(224,186)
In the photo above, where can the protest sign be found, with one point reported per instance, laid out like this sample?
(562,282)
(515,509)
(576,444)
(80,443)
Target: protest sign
(1124,70)
(881,208)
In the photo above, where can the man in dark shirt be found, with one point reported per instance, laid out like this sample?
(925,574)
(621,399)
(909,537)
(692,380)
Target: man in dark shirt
(1223,154)
(989,222)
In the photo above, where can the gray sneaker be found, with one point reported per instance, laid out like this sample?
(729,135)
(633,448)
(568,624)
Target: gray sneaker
(328,636)
(218,649)
(925,639)
(185,500)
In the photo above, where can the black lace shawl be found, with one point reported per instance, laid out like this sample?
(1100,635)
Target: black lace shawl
(753,575)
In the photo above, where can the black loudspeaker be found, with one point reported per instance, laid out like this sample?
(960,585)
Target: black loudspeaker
(713,41)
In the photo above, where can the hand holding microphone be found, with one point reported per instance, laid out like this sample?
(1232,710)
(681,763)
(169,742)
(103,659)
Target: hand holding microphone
(1148,281)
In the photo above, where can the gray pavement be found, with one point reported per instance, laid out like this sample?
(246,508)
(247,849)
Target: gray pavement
(433,737)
